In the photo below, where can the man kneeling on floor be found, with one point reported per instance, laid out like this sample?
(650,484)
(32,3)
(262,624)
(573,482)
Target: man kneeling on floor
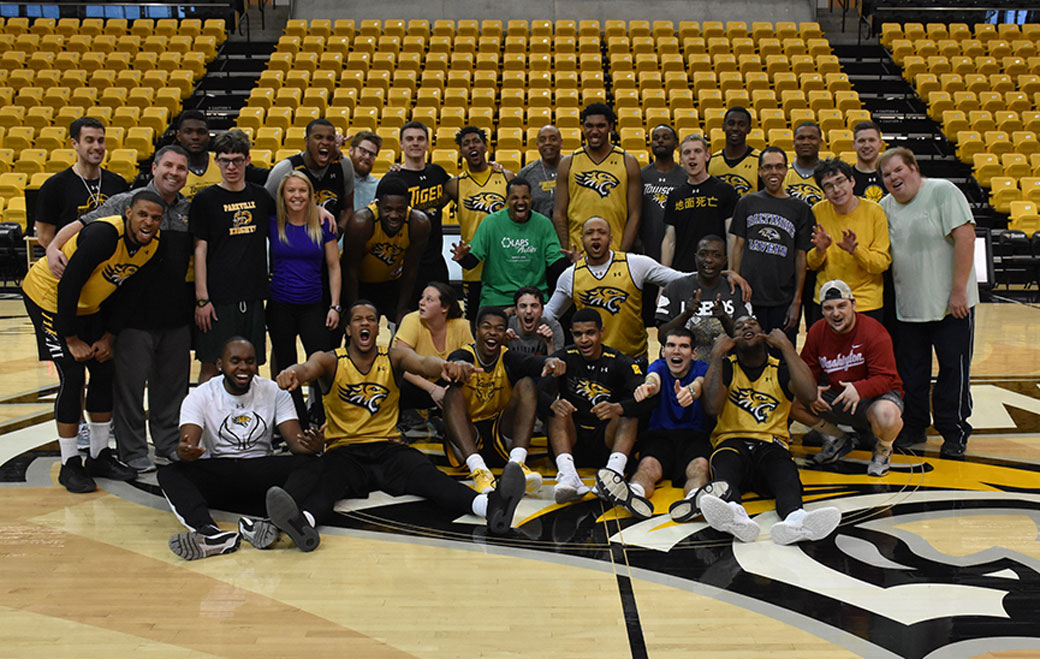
(750,392)
(361,386)
(225,459)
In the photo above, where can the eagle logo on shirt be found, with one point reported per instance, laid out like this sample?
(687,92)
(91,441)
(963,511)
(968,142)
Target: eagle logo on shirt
(484,202)
(810,194)
(600,181)
(594,392)
(388,253)
(117,273)
(367,395)
(755,403)
(243,429)
(739,183)
(769,233)
(604,297)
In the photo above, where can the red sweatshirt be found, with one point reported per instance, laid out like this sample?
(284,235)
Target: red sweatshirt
(863,357)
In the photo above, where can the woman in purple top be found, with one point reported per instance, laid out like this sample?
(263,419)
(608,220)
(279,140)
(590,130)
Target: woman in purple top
(300,244)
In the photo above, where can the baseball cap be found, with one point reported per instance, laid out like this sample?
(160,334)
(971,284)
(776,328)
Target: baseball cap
(835,289)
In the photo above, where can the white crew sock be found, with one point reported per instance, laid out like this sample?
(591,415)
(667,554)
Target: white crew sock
(99,437)
(617,462)
(480,504)
(310,518)
(565,465)
(68,448)
(637,489)
(475,462)
(518,455)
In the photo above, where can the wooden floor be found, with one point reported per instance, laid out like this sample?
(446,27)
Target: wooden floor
(938,558)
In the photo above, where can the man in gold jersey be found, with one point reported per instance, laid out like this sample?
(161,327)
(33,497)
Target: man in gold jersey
(477,192)
(192,134)
(799,181)
(737,162)
(749,391)
(598,179)
(361,387)
(491,416)
(384,243)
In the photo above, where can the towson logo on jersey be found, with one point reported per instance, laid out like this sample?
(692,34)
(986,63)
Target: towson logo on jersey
(600,181)
(117,273)
(594,392)
(367,395)
(755,403)
(604,297)
(484,202)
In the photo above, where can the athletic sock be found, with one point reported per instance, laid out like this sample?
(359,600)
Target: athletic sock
(310,518)
(617,462)
(475,462)
(795,516)
(565,465)
(480,504)
(827,428)
(518,455)
(99,437)
(637,489)
(68,448)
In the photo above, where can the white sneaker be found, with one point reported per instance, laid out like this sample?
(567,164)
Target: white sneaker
(806,525)
(729,517)
(569,488)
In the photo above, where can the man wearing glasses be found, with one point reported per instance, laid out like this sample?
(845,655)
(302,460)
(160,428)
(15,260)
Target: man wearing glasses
(364,148)
(229,222)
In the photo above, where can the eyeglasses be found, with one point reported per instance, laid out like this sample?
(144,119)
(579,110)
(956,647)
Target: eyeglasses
(367,152)
(231,162)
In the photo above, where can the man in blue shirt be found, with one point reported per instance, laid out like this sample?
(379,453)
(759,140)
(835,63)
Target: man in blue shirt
(364,148)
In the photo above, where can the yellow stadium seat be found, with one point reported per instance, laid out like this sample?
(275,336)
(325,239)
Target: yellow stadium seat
(52,137)
(1024,216)
(1025,142)
(985,166)
(340,118)
(782,138)
(30,161)
(997,142)
(1030,187)
(60,159)
(1004,190)
(969,143)
(140,138)
(126,117)
(1015,165)
(12,184)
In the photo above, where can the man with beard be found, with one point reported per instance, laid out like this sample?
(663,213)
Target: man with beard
(517,246)
(736,163)
(489,418)
(384,245)
(866,137)
(361,385)
(530,332)
(541,173)
(749,391)
(364,147)
(601,180)
(799,181)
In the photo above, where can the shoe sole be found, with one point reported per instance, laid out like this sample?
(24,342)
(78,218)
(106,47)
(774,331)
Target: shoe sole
(286,515)
(817,525)
(721,517)
(192,546)
(509,491)
(257,533)
(683,510)
(611,486)
(87,488)
(640,507)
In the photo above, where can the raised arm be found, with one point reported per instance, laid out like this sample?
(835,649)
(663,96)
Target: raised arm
(320,367)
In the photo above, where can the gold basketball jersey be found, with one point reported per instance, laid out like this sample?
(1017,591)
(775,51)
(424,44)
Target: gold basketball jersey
(384,255)
(742,174)
(479,196)
(42,287)
(754,410)
(598,189)
(361,408)
(487,393)
(198,182)
(803,187)
(619,302)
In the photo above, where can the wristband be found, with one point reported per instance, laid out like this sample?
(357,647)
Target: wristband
(201,303)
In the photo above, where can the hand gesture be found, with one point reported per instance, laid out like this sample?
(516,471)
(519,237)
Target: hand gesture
(396,167)
(848,240)
(646,390)
(496,166)
(718,310)
(684,395)
(288,380)
(562,407)
(458,372)
(81,352)
(187,451)
(848,399)
(606,411)
(723,344)
(459,250)
(332,319)
(736,280)
(312,440)
(511,335)
(438,394)
(694,304)
(574,253)
(821,238)
(959,303)
(554,367)
(819,406)
(778,339)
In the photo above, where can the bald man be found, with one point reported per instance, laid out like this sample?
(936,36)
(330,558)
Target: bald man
(542,172)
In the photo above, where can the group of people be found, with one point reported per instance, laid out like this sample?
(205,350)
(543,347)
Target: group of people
(211,254)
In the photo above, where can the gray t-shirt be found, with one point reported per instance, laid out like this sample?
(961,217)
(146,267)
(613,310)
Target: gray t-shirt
(535,344)
(774,230)
(364,190)
(656,186)
(543,186)
(702,323)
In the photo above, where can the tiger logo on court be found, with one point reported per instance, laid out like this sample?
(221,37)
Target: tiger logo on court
(600,181)
(769,233)
(810,194)
(755,403)
(116,274)
(604,297)
(243,429)
(739,183)
(367,395)
(484,202)
(594,392)
(388,253)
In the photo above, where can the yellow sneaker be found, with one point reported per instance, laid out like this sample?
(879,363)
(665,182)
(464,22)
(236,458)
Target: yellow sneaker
(533,478)
(483,480)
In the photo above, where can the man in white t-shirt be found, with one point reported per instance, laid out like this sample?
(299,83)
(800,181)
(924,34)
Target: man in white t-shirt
(225,459)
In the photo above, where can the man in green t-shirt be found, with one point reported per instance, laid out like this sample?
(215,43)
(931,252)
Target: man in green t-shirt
(518,247)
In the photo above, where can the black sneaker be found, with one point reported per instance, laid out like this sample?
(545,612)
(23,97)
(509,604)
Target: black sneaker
(812,438)
(502,502)
(683,510)
(618,492)
(909,437)
(286,515)
(75,478)
(193,545)
(952,451)
(107,465)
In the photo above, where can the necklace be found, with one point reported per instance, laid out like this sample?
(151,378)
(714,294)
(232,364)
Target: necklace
(93,195)
(546,177)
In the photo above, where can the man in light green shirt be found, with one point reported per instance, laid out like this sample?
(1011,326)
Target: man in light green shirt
(932,235)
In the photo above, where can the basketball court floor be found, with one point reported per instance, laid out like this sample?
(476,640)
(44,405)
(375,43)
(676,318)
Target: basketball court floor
(938,559)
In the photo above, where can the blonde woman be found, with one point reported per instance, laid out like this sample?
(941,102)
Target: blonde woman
(300,245)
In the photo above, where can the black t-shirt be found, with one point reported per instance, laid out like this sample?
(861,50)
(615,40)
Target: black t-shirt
(426,187)
(773,230)
(697,211)
(234,226)
(868,185)
(611,378)
(64,197)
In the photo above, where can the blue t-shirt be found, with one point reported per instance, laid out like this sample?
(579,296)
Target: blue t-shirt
(669,414)
(296,266)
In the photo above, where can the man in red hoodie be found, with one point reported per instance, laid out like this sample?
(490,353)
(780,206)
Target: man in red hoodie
(851,357)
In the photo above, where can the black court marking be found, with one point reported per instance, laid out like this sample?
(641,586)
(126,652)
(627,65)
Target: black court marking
(634,628)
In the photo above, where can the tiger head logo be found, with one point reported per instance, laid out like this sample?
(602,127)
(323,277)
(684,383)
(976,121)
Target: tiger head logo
(117,273)
(603,297)
(769,233)
(594,392)
(810,194)
(242,218)
(874,193)
(660,198)
(755,403)
(388,253)
(484,202)
(739,183)
(367,395)
(482,386)
(600,181)
(326,199)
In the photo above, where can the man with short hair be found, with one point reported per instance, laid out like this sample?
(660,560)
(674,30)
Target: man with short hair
(192,134)
(601,180)
(851,359)
(229,222)
(799,181)
(773,231)
(866,137)
(659,179)
(225,458)
(517,247)
(331,174)
(736,163)
(542,172)
(364,147)
(490,417)
(700,206)
(384,244)
(850,241)
(530,331)
(81,188)
(932,234)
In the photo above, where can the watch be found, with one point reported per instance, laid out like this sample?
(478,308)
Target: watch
(201,303)
(337,308)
